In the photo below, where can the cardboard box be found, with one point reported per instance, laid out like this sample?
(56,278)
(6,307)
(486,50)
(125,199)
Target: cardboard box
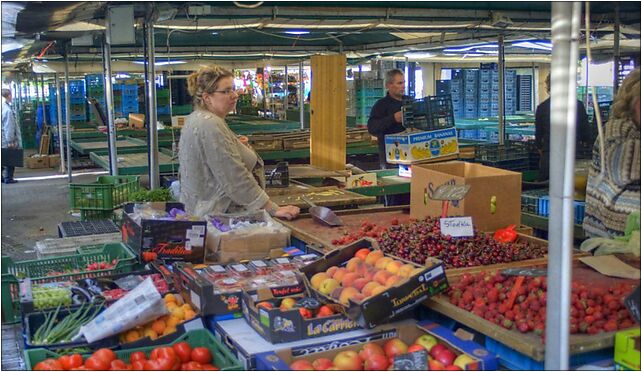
(408,332)
(245,243)
(243,341)
(627,350)
(199,292)
(137,121)
(396,300)
(276,325)
(178,121)
(54,161)
(171,240)
(361,180)
(37,161)
(411,146)
(487,184)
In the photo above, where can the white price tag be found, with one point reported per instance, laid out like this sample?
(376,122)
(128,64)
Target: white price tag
(457,226)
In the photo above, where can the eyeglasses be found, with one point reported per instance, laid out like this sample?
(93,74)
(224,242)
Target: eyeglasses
(227,92)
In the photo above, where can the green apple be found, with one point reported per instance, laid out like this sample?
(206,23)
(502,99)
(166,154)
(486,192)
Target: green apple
(426,341)
(462,360)
(328,285)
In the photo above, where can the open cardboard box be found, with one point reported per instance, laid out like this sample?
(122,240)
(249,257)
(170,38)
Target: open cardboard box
(280,360)
(395,301)
(494,199)
(276,325)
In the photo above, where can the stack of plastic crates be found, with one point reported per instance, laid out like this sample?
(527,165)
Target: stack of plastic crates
(127,100)
(578,206)
(162,102)
(510,156)
(97,201)
(429,113)
(530,200)
(366,92)
(77,104)
(57,269)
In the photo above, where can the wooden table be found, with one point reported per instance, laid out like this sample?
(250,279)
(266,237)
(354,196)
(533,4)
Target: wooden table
(331,197)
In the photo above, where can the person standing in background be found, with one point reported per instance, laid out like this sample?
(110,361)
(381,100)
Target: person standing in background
(612,196)
(385,116)
(11,137)
(543,131)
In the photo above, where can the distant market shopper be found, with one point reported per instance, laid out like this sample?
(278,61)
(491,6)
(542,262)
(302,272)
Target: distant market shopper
(385,116)
(11,137)
(218,172)
(543,131)
(612,196)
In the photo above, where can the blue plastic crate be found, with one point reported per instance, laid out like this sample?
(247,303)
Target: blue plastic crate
(162,110)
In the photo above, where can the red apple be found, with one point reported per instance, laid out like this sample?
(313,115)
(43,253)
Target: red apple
(376,362)
(452,367)
(434,365)
(446,357)
(395,347)
(415,347)
(302,365)
(322,364)
(426,341)
(370,349)
(348,361)
(437,349)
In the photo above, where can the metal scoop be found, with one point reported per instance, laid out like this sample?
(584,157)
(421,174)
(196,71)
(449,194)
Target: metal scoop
(322,214)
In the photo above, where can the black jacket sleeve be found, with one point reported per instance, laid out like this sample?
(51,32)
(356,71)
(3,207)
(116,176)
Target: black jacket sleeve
(380,122)
(583,127)
(540,122)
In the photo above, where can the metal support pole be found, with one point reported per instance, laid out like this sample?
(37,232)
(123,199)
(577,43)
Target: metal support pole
(109,98)
(150,79)
(301,97)
(616,49)
(565,22)
(406,76)
(285,100)
(42,101)
(67,116)
(59,112)
(501,130)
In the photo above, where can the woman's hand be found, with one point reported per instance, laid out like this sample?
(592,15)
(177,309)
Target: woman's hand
(288,212)
(244,140)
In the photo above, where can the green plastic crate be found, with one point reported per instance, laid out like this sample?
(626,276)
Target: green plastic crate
(88,214)
(107,193)
(37,270)
(223,357)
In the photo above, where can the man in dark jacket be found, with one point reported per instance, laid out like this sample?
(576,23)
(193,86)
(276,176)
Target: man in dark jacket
(385,116)
(543,131)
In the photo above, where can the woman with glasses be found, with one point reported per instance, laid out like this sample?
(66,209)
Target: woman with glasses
(218,172)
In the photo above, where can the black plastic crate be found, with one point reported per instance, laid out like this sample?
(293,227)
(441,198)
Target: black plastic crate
(530,200)
(499,153)
(80,228)
(430,113)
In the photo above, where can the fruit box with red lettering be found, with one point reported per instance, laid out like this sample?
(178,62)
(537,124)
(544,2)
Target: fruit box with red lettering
(393,291)
(201,294)
(164,239)
(425,335)
(292,318)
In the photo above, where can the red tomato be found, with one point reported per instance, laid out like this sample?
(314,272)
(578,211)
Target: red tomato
(192,366)
(105,354)
(139,365)
(183,351)
(81,368)
(48,365)
(201,355)
(166,353)
(160,364)
(209,367)
(65,361)
(76,361)
(96,364)
(118,365)
(138,355)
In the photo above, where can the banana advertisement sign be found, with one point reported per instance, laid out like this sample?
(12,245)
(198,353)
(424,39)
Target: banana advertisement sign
(412,147)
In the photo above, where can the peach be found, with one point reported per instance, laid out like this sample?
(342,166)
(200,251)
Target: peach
(381,276)
(378,290)
(361,268)
(317,279)
(405,270)
(353,264)
(348,279)
(362,253)
(347,294)
(392,280)
(360,283)
(383,262)
(367,289)
(373,257)
(338,275)
(330,271)
(393,267)
(358,297)
(328,285)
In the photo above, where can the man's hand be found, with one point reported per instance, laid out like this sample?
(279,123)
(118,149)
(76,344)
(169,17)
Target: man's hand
(13,144)
(398,116)
(288,212)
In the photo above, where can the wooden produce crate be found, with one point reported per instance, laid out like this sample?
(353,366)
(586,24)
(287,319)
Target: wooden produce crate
(296,141)
(37,161)
(529,344)
(266,142)
(357,135)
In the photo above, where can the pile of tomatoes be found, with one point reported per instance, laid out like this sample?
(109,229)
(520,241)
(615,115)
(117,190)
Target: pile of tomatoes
(181,356)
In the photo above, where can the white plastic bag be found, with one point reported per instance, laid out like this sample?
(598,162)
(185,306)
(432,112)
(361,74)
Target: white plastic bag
(141,305)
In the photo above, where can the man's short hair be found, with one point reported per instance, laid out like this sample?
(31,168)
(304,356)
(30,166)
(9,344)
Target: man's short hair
(6,93)
(390,75)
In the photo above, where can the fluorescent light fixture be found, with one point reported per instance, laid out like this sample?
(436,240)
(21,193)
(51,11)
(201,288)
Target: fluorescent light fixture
(214,33)
(469,48)
(419,55)
(533,44)
(162,63)
(123,76)
(297,32)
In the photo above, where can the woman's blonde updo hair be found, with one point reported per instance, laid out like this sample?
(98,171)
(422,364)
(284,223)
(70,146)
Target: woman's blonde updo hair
(205,80)
(626,98)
